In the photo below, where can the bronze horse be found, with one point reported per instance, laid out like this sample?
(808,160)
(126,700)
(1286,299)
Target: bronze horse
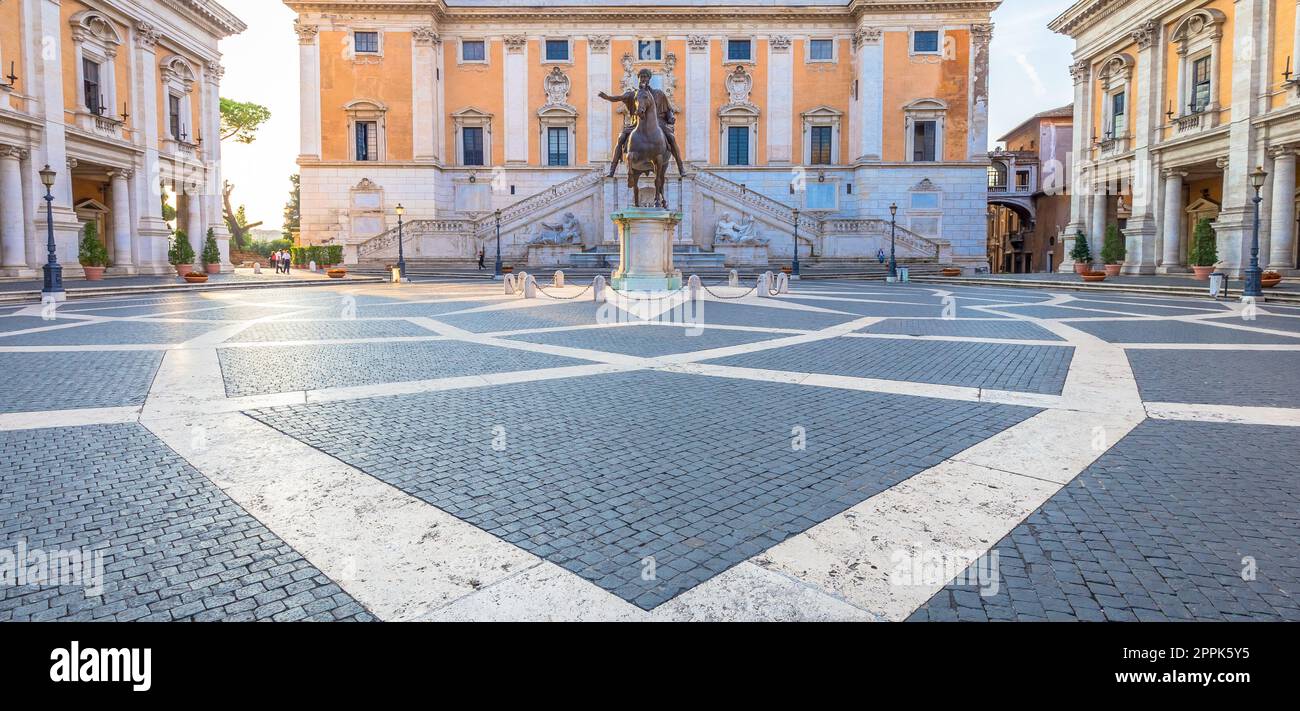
(647,148)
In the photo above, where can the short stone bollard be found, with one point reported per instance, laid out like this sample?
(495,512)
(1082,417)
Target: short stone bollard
(598,289)
(764,285)
(311,266)
(530,287)
(733,279)
(509,283)
(257,267)
(521,280)
(559,278)
(693,287)
(782,283)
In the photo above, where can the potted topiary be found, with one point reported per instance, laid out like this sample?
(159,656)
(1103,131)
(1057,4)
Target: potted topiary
(181,254)
(1081,254)
(211,254)
(1204,253)
(1113,251)
(92,253)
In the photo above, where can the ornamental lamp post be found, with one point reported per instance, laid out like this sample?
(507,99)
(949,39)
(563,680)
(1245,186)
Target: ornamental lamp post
(401,255)
(53,287)
(496,274)
(1253,272)
(893,221)
(795,267)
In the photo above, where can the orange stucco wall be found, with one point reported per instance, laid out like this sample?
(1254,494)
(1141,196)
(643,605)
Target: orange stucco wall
(1283,38)
(927,77)
(385,79)
(719,97)
(577,74)
(464,88)
(820,84)
(11,45)
(1172,65)
(121,64)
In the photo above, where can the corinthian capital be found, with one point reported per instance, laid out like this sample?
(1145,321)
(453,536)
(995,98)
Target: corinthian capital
(865,36)
(306,33)
(425,36)
(515,43)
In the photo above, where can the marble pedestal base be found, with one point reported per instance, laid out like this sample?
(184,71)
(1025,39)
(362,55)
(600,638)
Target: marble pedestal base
(645,250)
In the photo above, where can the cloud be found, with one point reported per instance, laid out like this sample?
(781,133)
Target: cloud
(1040,90)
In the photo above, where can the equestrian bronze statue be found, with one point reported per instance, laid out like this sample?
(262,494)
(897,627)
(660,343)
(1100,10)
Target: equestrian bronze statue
(648,140)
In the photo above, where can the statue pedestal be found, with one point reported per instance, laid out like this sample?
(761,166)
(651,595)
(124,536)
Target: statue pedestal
(645,249)
(552,255)
(747,255)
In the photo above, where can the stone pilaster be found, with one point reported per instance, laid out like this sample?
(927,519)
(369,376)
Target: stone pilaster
(780,101)
(698,99)
(516,99)
(309,88)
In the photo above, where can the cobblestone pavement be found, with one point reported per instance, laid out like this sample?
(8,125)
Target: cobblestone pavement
(1179,521)
(171,546)
(446,451)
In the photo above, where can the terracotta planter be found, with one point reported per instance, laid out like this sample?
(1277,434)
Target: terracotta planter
(506,269)
(94,273)
(212,268)
(337,273)
(787,270)
(1270,279)
(182,269)
(1202,273)
(951,272)
(196,278)
(1112,270)
(1082,268)
(1094,276)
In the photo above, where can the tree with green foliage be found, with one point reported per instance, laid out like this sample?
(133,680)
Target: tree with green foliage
(180,252)
(1205,247)
(1113,249)
(237,220)
(168,212)
(240,120)
(211,252)
(92,252)
(1081,253)
(292,214)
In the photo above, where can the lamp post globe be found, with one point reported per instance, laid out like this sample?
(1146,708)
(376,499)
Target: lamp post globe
(1254,273)
(52,288)
(893,221)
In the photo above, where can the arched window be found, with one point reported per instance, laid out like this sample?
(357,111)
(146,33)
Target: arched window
(924,129)
(366,130)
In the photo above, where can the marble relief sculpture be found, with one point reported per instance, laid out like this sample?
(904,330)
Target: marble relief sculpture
(567,231)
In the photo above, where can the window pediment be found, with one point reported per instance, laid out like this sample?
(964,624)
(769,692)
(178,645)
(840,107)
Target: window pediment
(1197,23)
(90,26)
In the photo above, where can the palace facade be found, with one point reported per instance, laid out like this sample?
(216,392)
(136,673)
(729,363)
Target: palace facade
(120,98)
(1176,103)
(820,112)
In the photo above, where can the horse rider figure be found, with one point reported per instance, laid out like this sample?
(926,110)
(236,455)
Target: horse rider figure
(666,117)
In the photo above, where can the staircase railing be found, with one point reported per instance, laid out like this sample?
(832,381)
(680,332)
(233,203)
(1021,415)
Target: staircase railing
(809,226)
(902,235)
(486,225)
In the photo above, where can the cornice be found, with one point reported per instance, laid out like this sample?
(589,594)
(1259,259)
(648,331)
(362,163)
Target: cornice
(210,13)
(1084,14)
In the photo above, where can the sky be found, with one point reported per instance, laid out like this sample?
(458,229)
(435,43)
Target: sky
(1028,66)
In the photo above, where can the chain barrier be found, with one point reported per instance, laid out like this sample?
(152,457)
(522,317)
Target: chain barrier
(752,289)
(565,298)
(657,297)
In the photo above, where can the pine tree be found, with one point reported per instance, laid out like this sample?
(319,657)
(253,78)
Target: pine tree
(1205,248)
(1113,249)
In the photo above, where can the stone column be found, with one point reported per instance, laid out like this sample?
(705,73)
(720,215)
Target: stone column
(1097,223)
(1172,231)
(599,110)
(780,100)
(53,149)
(426,121)
(698,99)
(153,234)
(978,135)
(12,235)
(869,77)
(1140,231)
(213,207)
(309,88)
(123,262)
(516,99)
(1080,72)
(194,223)
(1282,233)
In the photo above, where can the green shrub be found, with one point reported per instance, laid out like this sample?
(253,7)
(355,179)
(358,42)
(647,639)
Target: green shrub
(1205,249)
(211,252)
(92,252)
(334,254)
(1113,249)
(1081,252)
(181,252)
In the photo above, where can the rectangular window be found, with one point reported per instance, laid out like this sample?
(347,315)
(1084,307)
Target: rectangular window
(473,51)
(925,42)
(737,145)
(739,50)
(367,140)
(821,50)
(557,50)
(1200,85)
(1119,121)
(471,139)
(365,42)
(174,115)
(557,146)
(821,145)
(924,141)
(1022,180)
(90,83)
(649,50)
